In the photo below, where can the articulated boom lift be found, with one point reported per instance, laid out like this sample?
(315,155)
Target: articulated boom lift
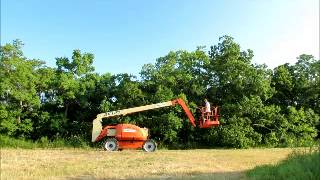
(123,136)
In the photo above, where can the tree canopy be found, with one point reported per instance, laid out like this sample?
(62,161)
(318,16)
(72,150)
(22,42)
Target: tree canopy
(258,106)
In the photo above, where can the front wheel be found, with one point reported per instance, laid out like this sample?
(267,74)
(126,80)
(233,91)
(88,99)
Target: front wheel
(111,144)
(149,146)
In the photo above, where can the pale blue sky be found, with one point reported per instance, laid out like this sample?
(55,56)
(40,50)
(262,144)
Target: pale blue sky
(125,34)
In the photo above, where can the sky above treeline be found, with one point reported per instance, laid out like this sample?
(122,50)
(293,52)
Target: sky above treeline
(123,35)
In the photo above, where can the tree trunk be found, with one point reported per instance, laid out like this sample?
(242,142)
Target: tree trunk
(19,118)
(66,110)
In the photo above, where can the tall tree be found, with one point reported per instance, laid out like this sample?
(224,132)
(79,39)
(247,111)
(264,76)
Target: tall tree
(18,85)
(70,75)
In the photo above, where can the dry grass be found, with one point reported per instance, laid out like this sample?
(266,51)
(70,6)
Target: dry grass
(163,164)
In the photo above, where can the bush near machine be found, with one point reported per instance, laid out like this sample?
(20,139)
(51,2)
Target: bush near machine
(43,142)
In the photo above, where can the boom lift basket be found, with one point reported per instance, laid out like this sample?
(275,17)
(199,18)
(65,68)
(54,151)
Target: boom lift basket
(209,119)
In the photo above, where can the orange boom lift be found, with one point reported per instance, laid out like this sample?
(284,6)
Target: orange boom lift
(125,136)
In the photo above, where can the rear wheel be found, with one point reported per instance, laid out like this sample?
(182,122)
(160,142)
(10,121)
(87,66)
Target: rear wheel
(149,146)
(111,144)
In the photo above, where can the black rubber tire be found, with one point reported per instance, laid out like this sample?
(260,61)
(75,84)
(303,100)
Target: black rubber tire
(149,146)
(111,144)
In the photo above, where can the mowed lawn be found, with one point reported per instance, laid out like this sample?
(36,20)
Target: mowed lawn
(134,164)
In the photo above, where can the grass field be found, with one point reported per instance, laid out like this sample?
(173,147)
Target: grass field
(163,164)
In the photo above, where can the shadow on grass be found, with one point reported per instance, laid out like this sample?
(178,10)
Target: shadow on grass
(188,176)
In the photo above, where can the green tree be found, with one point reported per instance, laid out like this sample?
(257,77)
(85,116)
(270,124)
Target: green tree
(297,85)
(18,88)
(237,86)
(232,76)
(71,77)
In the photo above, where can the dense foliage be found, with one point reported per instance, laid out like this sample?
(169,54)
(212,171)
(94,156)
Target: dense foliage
(259,106)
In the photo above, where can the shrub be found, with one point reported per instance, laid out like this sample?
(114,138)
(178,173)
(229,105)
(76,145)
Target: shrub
(298,166)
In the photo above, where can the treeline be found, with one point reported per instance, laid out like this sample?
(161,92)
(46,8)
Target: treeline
(258,106)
